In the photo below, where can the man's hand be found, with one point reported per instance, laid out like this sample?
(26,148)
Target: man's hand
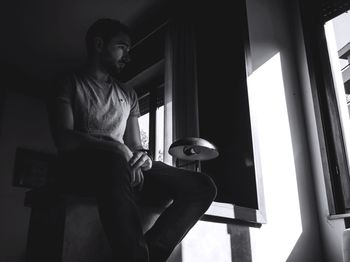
(137,178)
(141,160)
(138,162)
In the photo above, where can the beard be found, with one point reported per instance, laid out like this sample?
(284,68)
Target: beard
(111,67)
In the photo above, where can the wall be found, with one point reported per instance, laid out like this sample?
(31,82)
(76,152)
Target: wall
(23,123)
(270,29)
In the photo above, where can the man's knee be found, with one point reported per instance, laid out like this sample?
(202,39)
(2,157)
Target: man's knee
(208,188)
(212,189)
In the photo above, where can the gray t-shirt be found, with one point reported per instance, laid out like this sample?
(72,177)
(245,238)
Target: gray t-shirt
(100,109)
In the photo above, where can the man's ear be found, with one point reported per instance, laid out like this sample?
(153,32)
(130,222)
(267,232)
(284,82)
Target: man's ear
(98,44)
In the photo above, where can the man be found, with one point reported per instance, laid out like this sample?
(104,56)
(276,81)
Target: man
(94,122)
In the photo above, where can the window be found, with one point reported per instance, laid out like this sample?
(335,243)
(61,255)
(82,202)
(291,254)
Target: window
(338,47)
(145,74)
(330,99)
(144,130)
(159,152)
(151,121)
(338,41)
(144,122)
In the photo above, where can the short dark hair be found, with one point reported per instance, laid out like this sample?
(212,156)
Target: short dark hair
(105,28)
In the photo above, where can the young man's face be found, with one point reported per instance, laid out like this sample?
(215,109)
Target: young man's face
(115,53)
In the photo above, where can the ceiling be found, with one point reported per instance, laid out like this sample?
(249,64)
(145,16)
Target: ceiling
(43,37)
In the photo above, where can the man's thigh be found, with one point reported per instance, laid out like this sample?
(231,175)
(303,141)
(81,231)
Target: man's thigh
(163,183)
(85,170)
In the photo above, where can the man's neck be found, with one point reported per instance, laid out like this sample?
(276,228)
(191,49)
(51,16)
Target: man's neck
(97,71)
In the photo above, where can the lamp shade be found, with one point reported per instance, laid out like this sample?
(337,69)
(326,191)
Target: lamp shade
(193,148)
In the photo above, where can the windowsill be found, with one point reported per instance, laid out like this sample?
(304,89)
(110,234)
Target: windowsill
(230,213)
(339,216)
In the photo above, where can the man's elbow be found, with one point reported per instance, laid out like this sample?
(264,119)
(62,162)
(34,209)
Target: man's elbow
(63,141)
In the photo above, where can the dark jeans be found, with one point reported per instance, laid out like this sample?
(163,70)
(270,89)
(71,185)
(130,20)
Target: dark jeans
(106,175)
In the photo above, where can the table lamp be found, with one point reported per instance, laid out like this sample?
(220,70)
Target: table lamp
(193,149)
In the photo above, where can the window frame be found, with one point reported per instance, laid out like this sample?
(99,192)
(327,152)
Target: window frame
(335,167)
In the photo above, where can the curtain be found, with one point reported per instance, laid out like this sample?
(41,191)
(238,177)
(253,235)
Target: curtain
(180,91)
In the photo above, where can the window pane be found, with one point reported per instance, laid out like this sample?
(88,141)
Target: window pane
(144,129)
(159,156)
(338,41)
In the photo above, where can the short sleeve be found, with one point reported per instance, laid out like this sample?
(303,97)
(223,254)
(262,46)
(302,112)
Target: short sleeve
(63,90)
(134,104)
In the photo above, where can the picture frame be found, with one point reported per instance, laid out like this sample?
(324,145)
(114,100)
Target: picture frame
(32,168)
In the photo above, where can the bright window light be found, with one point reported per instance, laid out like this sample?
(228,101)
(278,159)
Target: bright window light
(207,242)
(275,240)
(159,155)
(168,126)
(144,130)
